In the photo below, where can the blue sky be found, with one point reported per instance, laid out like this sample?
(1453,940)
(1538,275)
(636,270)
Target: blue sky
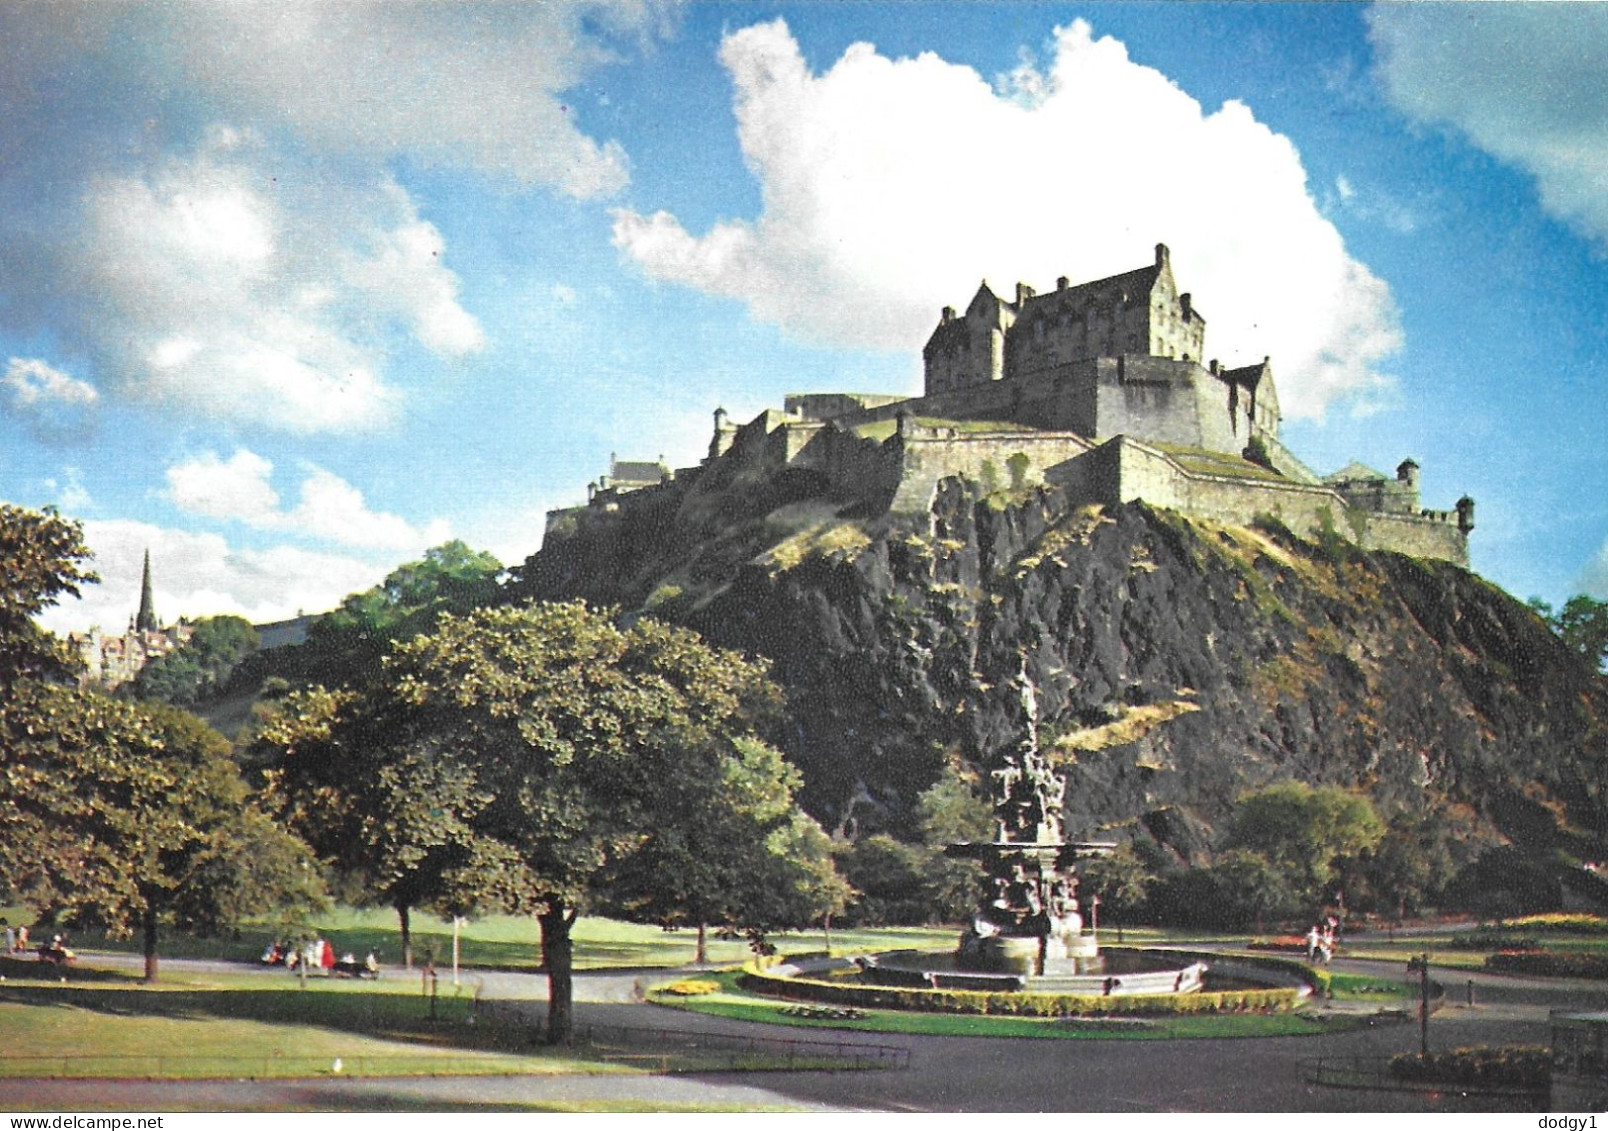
(290,292)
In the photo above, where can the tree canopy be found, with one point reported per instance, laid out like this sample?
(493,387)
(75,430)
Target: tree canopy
(569,750)
(345,645)
(1582,624)
(42,559)
(201,666)
(1305,832)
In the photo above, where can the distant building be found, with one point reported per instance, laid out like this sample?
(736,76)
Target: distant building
(111,661)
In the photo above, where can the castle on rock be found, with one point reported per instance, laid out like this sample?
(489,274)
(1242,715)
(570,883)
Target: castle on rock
(1100,389)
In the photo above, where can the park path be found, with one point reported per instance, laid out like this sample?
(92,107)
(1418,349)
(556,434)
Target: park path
(946,1074)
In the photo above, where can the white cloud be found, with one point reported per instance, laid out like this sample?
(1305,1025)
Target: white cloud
(29,383)
(195,575)
(213,221)
(330,509)
(221,288)
(53,404)
(479,85)
(889,187)
(1524,82)
(1593,580)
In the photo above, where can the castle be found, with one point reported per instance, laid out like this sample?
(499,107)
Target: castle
(111,661)
(1099,389)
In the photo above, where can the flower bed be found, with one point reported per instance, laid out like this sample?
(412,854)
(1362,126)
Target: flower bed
(690,987)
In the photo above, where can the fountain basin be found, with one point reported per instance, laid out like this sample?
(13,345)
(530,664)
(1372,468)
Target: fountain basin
(1119,972)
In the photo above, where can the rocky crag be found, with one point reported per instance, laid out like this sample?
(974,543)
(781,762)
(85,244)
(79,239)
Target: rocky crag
(1178,663)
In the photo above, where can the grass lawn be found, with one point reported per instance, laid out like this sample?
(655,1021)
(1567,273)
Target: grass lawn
(505,942)
(734,1002)
(237,1025)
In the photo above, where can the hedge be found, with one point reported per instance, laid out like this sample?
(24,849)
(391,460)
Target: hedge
(1016,1004)
(1503,1066)
(1549,963)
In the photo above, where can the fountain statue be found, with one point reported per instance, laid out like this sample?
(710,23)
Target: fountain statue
(1029,921)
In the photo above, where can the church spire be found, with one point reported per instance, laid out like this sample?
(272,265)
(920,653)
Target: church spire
(145,621)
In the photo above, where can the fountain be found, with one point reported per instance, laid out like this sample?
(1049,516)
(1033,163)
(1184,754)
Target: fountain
(1028,934)
(1029,923)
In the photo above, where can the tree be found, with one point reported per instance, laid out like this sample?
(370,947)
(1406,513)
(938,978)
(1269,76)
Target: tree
(577,743)
(1119,879)
(42,558)
(389,813)
(742,856)
(123,814)
(345,646)
(953,811)
(1305,832)
(200,667)
(1582,624)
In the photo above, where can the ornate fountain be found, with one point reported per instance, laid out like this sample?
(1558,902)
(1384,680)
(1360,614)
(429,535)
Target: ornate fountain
(1029,923)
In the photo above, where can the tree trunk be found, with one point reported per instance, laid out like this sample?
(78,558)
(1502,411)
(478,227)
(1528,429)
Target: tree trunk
(407,935)
(148,926)
(558,955)
(702,957)
(826,929)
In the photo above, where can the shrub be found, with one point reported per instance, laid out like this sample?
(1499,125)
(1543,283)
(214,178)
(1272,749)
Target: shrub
(1562,922)
(691,987)
(1548,963)
(1502,1066)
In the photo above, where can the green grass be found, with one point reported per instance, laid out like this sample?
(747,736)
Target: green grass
(731,1001)
(1445,954)
(244,1025)
(504,942)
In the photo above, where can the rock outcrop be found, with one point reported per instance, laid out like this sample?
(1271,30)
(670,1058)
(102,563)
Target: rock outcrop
(1178,663)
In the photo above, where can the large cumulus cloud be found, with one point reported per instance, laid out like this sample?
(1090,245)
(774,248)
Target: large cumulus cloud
(890,186)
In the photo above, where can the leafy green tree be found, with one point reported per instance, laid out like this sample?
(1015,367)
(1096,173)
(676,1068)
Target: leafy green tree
(891,878)
(345,646)
(199,668)
(1582,624)
(1238,889)
(742,856)
(1120,880)
(1417,860)
(953,810)
(128,814)
(42,558)
(389,813)
(577,743)
(1306,832)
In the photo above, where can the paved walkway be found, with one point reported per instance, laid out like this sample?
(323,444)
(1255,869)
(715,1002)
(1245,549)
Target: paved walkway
(946,1074)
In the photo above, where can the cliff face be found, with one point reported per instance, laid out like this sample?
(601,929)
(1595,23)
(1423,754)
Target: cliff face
(1179,664)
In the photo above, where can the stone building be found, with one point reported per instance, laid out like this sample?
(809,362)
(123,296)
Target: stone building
(111,661)
(1099,389)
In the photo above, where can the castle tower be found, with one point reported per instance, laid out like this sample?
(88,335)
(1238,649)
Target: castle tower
(145,619)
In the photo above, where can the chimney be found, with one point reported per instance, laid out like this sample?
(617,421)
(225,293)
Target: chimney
(1062,283)
(948,316)
(1023,293)
(1163,258)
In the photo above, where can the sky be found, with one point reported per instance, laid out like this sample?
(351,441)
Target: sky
(291,291)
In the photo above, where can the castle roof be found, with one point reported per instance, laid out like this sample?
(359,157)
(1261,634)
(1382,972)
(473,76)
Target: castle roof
(1354,471)
(637,471)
